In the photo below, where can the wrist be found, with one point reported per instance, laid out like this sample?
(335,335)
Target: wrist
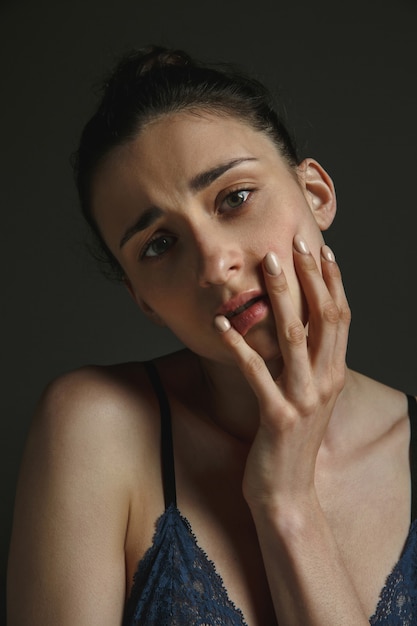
(291,514)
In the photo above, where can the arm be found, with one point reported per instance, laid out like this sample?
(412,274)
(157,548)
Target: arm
(66,563)
(308,579)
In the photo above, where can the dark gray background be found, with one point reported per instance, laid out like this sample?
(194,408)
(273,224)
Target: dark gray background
(347,73)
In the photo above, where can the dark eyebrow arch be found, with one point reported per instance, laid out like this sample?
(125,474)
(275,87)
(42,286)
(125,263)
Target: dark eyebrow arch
(199,182)
(146,219)
(203,180)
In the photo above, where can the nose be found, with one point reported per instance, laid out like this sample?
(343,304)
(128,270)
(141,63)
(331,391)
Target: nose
(220,257)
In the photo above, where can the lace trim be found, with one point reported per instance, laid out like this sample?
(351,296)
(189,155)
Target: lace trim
(176,583)
(398,598)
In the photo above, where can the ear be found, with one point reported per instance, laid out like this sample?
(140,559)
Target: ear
(319,192)
(145,308)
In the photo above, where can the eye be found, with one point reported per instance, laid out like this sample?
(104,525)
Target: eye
(158,246)
(235,199)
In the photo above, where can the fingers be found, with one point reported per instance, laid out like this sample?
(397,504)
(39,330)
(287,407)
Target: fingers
(250,363)
(328,315)
(328,312)
(333,279)
(290,329)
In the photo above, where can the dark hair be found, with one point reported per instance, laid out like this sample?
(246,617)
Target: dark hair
(154,81)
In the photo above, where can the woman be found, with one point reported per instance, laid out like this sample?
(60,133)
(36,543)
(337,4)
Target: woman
(278,478)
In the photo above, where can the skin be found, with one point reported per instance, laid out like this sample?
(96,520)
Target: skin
(294,500)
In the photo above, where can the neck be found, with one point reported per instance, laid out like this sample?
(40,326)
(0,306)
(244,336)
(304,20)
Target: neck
(233,406)
(230,400)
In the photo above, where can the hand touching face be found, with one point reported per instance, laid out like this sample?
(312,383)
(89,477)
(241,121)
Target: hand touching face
(191,207)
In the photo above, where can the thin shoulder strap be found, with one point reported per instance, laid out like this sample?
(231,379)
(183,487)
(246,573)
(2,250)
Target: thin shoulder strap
(412,413)
(167,449)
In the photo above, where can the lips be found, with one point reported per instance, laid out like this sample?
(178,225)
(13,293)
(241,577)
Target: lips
(239,303)
(242,307)
(245,310)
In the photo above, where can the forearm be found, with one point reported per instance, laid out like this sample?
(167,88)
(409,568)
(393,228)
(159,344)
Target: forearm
(308,579)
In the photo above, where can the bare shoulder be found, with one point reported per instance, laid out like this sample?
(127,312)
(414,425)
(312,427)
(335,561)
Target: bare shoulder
(91,428)
(104,416)
(379,411)
(110,398)
(88,443)
(104,422)
(86,454)
(103,419)
(93,389)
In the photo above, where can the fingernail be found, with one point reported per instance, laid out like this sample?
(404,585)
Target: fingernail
(272,264)
(327,254)
(221,323)
(300,245)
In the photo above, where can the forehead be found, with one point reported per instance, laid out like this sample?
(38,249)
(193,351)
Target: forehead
(203,134)
(176,147)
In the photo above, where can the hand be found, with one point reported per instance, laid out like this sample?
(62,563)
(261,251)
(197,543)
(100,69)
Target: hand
(296,407)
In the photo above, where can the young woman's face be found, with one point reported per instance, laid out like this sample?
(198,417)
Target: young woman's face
(191,207)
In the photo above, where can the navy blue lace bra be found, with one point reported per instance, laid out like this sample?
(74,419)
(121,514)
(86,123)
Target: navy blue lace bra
(177,585)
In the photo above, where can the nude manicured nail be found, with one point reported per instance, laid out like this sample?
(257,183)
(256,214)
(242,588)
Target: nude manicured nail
(272,264)
(300,245)
(327,254)
(221,323)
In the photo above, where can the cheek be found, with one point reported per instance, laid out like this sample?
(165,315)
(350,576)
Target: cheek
(279,231)
(279,239)
(169,301)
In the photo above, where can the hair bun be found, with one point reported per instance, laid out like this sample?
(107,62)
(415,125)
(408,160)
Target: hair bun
(158,57)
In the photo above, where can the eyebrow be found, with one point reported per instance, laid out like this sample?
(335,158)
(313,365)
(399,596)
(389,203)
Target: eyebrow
(146,219)
(197,183)
(204,179)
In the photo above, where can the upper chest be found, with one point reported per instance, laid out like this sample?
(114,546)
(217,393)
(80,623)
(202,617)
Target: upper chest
(366,502)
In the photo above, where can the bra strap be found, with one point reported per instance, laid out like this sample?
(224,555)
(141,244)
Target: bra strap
(167,449)
(412,413)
